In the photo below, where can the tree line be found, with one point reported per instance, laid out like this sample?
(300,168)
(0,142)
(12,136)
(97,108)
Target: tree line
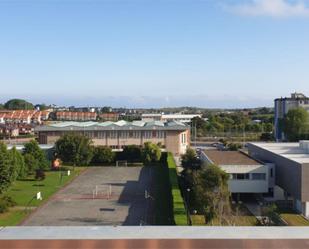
(78,150)
(19,165)
(233,123)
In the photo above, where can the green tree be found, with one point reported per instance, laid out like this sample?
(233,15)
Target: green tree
(151,153)
(35,157)
(18,104)
(75,149)
(18,167)
(31,163)
(189,159)
(295,123)
(5,168)
(103,154)
(210,187)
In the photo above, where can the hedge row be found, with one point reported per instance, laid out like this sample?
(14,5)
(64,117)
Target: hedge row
(180,215)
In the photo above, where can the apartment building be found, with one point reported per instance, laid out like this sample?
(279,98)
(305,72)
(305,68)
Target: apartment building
(76,116)
(283,105)
(174,136)
(24,116)
(247,175)
(109,116)
(291,161)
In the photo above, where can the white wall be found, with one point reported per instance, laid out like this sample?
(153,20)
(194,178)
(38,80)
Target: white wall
(248,186)
(306,209)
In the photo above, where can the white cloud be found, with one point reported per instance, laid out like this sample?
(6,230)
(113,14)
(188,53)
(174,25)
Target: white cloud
(272,8)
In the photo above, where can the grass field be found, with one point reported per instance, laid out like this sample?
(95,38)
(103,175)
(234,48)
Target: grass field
(293,219)
(24,191)
(243,218)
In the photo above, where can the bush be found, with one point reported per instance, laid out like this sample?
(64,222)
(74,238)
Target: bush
(102,154)
(39,175)
(234,146)
(5,203)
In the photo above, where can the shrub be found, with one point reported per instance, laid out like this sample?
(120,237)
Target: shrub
(102,154)
(39,175)
(234,146)
(5,203)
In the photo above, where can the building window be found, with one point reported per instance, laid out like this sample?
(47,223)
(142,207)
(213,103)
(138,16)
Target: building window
(183,138)
(258,176)
(154,133)
(147,134)
(271,173)
(240,176)
(113,134)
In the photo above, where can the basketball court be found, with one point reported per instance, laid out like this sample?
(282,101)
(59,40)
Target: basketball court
(100,196)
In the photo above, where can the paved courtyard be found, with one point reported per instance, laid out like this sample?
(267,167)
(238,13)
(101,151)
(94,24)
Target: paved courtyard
(100,196)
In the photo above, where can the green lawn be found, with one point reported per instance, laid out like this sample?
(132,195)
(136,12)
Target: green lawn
(24,191)
(294,219)
(242,218)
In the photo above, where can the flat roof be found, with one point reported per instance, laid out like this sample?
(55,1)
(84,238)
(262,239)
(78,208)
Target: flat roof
(119,125)
(290,151)
(230,158)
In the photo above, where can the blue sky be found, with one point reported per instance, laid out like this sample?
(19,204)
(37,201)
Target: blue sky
(143,53)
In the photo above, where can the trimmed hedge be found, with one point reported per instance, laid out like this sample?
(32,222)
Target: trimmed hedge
(180,214)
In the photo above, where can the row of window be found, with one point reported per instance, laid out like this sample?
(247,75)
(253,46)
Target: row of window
(120,134)
(254,176)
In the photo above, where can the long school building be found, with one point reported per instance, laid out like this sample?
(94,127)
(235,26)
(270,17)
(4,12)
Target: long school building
(174,136)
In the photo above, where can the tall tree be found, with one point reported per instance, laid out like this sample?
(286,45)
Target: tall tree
(35,157)
(75,149)
(189,159)
(151,153)
(18,104)
(210,186)
(295,123)
(5,168)
(17,164)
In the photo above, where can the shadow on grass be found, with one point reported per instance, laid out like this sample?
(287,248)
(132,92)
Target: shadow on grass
(27,180)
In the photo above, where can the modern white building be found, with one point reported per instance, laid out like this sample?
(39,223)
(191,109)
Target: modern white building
(246,174)
(183,118)
(291,161)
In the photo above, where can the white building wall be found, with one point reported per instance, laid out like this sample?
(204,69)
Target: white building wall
(250,185)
